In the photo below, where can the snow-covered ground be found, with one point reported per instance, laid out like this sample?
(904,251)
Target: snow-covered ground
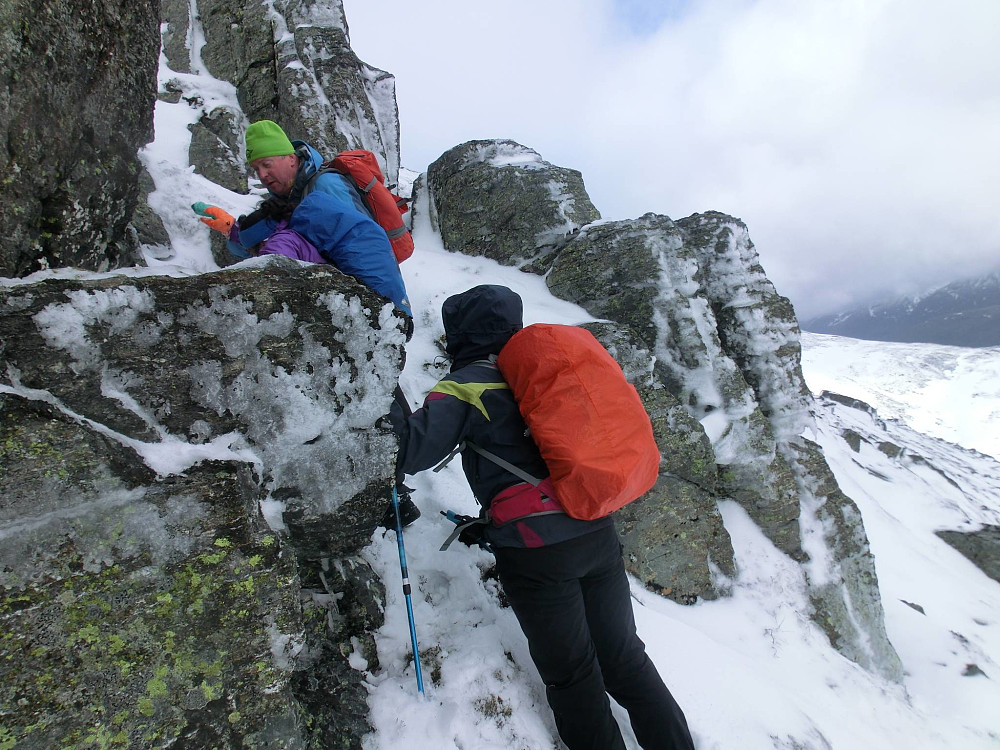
(950,392)
(751,671)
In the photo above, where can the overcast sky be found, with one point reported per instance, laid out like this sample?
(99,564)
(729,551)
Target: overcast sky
(858,139)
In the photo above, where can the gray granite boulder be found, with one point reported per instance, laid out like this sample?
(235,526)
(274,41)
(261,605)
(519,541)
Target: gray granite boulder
(726,346)
(501,200)
(139,610)
(168,594)
(76,105)
(292,62)
(643,274)
(714,351)
(294,363)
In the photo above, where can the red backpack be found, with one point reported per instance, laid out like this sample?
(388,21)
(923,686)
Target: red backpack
(386,207)
(586,419)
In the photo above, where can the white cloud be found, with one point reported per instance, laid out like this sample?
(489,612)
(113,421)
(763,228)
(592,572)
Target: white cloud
(857,138)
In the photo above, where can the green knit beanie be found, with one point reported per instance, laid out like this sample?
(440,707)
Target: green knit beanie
(266,138)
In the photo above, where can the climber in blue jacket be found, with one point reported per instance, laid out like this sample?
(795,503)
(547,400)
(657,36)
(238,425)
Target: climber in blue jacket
(325,210)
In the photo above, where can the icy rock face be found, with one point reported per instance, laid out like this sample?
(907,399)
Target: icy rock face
(164,602)
(843,585)
(756,325)
(644,274)
(296,363)
(213,601)
(77,104)
(291,61)
(727,346)
(501,200)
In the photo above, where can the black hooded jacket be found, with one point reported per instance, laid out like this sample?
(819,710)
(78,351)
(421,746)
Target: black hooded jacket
(475,403)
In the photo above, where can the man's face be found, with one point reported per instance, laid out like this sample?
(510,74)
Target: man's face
(277,172)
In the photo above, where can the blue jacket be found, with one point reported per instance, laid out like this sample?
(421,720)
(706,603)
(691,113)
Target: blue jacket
(333,218)
(475,403)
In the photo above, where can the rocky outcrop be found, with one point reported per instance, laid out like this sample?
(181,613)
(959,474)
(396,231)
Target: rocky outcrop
(126,590)
(645,274)
(718,346)
(292,62)
(216,143)
(501,200)
(75,106)
(166,598)
(287,359)
(982,547)
(149,229)
(843,584)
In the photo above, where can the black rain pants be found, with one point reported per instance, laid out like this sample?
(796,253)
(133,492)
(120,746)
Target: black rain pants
(572,601)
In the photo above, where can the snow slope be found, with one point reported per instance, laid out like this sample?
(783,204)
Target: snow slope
(949,392)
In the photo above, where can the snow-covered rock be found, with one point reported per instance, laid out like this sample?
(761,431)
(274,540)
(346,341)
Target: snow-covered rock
(291,362)
(291,61)
(190,467)
(501,200)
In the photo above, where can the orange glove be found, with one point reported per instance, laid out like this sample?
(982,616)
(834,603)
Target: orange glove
(220,221)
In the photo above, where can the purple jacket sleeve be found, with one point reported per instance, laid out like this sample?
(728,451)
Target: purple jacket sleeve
(292,245)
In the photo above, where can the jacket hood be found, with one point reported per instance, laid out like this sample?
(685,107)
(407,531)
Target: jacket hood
(478,322)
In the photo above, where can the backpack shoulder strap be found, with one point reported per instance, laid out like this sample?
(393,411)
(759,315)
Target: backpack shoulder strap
(492,457)
(504,464)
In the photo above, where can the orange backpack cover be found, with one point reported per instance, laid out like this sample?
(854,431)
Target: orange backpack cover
(585,417)
(386,208)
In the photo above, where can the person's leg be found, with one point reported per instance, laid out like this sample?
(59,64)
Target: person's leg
(629,674)
(544,592)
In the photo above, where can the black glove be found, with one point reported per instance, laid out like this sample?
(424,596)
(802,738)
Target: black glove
(473,535)
(408,511)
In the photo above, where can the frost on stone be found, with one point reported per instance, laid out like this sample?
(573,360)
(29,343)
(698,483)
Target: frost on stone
(381,89)
(758,325)
(66,325)
(115,525)
(689,349)
(119,385)
(233,322)
(285,647)
(334,100)
(564,201)
(502,154)
(320,13)
(311,424)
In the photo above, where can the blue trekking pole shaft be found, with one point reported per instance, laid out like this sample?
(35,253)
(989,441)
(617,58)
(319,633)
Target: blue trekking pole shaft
(406,591)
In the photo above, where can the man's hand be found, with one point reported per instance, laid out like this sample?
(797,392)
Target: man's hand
(217,219)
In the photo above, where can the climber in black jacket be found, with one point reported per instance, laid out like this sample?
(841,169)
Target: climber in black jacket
(565,578)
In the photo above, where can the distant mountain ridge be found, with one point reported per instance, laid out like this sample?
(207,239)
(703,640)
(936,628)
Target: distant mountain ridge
(962,313)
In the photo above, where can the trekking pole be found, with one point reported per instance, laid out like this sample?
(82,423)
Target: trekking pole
(406,590)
